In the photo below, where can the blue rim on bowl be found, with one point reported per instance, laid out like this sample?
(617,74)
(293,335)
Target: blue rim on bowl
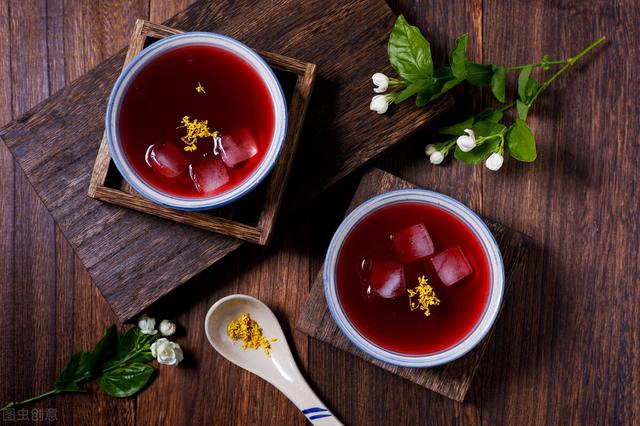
(474,223)
(159,48)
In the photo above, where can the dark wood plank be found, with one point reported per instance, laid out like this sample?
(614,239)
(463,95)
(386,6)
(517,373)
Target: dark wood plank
(52,319)
(126,253)
(580,203)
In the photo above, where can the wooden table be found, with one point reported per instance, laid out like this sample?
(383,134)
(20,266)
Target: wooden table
(567,349)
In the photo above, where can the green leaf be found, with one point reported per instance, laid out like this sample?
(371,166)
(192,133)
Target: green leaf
(527,85)
(544,63)
(521,142)
(458,128)
(73,374)
(477,154)
(409,52)
(102,351)
(487,128)
(412,89)
(498,82)
(124,380)
(134,346)
(522,108)
(489,114)
(479,74)
(458,57)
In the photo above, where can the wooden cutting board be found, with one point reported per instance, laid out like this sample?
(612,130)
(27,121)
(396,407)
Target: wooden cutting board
(451,380)
(135,258)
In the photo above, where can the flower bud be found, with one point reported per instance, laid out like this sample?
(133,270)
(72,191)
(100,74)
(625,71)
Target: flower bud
(167,352)
(167,328)
(436,157)
(467,143)
(381,82)
(494,162)
(430,149)
(147,325)
(379,104)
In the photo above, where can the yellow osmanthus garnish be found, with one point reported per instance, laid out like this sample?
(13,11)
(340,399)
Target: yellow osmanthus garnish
(200,88)
(250,332)
(425,295)
(195,130)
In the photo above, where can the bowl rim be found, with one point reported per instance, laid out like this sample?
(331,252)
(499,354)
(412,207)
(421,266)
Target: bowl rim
(148,54)
(475,224)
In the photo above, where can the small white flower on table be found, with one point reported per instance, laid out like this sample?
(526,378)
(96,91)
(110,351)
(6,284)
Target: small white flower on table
(381,82)
(147,325)
(436,157)
(430,149)
(467,142)
(167,328)
(380,104)
(494,162)
(167,352)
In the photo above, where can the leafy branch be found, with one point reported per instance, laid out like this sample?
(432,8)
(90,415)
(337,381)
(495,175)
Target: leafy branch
(482,135)
(120,364)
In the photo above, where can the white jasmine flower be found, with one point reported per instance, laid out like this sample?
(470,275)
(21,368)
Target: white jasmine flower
(381,82)
(167,352)
(147,325)
(494,162)
(467,143)
(436,157)
(430,149)
(379,104)
(167,328)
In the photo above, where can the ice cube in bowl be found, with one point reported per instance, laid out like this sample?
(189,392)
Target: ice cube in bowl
(238,146)
(167,159)
(412,243)
(386,280)
(208,175)
(451,265)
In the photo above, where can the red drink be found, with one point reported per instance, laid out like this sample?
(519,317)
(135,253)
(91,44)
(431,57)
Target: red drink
(203,83)
(386,318)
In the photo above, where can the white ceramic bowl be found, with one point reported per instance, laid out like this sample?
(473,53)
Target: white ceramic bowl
(148,55)
(489,245)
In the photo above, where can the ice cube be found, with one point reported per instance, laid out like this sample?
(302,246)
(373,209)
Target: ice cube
(451,265)
(386,279)
(412,243)
(238,146)
(166,159)
(208,175)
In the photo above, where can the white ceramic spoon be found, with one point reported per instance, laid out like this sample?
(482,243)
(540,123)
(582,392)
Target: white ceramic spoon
(279,369)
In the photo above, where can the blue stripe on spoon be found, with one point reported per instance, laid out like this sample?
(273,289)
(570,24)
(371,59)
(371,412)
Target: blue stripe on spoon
(313,410)
(319,416)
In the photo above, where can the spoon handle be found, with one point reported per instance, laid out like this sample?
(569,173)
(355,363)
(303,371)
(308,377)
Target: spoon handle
(313,409)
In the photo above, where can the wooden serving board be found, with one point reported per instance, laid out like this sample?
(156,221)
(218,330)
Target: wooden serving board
(451,380)
(135,258)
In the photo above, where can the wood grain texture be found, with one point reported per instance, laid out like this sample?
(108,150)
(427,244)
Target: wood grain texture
(296,78)
(452,380)
(56,143)
(567,347)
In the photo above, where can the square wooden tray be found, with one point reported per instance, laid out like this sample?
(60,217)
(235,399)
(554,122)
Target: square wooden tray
(252,218)
(451,380)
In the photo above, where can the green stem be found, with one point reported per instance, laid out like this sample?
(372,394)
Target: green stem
(568,64)
(536,65)
(29,400)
